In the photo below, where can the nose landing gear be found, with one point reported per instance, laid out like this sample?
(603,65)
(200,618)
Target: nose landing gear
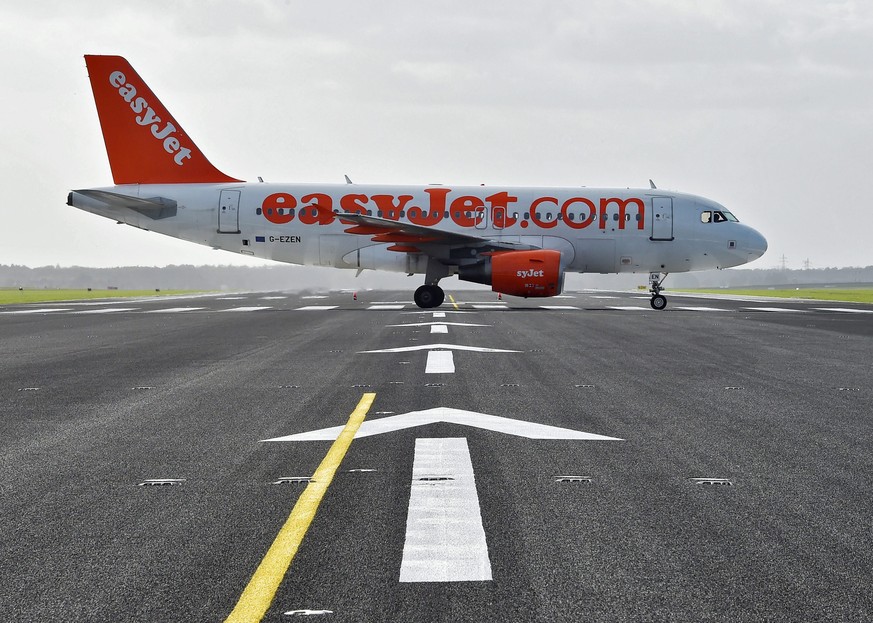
(659,301)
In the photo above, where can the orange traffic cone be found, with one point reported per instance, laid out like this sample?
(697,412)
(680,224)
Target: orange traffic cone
(355,296)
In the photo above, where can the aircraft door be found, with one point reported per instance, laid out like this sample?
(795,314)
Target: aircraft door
(481,216)
(498,217)
(662,218)
(228,212)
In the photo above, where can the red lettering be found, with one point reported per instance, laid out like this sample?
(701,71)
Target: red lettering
(580,224)
(319,210)
(464,210)
(277,208)
(390,210)
(622,211)
(354,204)
(535,218)
(437,208)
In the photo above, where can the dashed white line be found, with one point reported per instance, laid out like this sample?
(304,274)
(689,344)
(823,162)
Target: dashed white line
(105,311)
(173,310)
(490,306)
(385,307)
(440,362)
(445,540)
(703,309)
(42,310)
(317,307)
(847,310)
(558,307)
(439,328)
(245,309)
(775,309)
(439,314)
(626,308)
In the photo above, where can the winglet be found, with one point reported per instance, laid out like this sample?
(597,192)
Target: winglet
(145,144)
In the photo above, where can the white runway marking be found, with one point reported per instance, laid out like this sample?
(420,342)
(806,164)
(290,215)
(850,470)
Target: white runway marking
(847,310)
(439,314)
(442,322)
(41,310)
(440,362)
(105,311)
(775,309)
(317,307)
(407,349)
(273,298)
(519,428)
(604,297)
(231,298)
(385,307)
(558,307)
(445,540)
(703,309)
(244,309)
(314,296)
(439,328)
(173,310)
(627,308)
(490,306)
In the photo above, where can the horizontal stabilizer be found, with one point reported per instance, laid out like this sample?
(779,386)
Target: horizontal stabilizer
(153,207)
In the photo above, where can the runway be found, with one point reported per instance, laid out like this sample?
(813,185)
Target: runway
(594,514)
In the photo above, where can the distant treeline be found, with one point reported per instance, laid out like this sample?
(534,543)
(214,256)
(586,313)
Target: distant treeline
(298,278)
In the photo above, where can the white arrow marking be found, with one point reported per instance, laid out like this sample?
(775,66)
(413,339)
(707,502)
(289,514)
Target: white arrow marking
(440,362)
(440,323)
(445,540)
(531,430)
(407,349)
(439,328)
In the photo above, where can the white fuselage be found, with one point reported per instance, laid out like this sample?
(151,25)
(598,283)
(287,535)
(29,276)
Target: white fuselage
(596,230)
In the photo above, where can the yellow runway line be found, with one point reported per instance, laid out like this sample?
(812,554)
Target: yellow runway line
(258,595)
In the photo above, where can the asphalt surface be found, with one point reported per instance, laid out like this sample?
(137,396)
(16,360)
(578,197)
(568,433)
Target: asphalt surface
(779,402)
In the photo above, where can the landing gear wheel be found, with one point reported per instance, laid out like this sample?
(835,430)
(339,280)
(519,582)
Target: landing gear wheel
(428,296)
(659,302)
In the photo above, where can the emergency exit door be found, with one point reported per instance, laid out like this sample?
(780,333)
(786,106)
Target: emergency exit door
(228,212)
(662,218)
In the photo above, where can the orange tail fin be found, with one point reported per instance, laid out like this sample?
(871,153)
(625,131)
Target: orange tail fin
(144,143)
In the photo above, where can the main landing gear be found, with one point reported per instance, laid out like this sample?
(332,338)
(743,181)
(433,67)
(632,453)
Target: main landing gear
(659,301)
(428,296)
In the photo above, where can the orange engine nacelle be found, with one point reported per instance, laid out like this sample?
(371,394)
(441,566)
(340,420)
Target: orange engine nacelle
(527,273)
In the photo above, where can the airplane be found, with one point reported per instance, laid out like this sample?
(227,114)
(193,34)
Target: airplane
(519,240)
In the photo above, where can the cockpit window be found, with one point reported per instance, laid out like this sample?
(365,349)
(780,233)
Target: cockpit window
(717,216)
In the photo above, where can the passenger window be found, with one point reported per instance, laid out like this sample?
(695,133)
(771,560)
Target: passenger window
(705,216)
(548,216)
(258,211)
(570,216)
(615,217)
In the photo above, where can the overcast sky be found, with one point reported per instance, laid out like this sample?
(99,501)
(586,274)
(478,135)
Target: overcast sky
(766,107)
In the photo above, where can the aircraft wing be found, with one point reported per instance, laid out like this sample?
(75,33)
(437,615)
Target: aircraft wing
(408,236)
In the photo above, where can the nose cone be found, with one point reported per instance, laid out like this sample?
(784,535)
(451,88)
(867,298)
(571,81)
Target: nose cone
(755,244)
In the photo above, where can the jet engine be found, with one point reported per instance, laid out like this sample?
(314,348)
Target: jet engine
(519,273)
